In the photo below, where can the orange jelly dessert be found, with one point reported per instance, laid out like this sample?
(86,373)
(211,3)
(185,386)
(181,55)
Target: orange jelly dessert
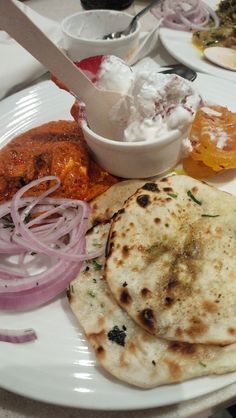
(213,141)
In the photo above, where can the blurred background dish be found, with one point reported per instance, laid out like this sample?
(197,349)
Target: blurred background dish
(224,57)
(83,33)
(188,49)
(106,4)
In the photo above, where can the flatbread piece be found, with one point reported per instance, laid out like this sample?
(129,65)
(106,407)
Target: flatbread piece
(122,347)
(171,260)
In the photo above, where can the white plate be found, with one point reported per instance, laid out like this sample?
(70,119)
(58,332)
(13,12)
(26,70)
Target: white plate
(59,367)
(179,45)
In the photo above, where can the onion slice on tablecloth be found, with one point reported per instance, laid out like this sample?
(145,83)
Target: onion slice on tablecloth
(37,230)
(185,15)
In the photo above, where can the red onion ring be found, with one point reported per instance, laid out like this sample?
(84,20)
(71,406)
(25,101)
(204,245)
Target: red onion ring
(185,15)
(17,336)
(60,239)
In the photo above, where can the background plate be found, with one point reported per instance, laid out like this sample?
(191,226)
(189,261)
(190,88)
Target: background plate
(59,367)
(179,45)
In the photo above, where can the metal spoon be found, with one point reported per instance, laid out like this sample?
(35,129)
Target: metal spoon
(133,23)
(98,102)
(181,70)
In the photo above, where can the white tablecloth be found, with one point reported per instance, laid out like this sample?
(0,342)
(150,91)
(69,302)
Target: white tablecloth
(14,406)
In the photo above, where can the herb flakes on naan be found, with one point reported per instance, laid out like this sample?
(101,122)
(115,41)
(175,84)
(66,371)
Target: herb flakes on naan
(171,260)
(122,347)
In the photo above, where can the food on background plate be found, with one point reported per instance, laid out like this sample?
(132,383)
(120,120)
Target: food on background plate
(222,36)
(123,347)
(222,56)
(170,260)
(185,15)
(225,34)
(212,142)
(210,28)
(55,148)
(218,44)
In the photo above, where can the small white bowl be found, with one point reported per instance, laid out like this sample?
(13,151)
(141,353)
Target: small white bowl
(83,34)
(135,159)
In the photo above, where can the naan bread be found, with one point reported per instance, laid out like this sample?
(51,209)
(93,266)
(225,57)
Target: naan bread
(171,260)
(108,203)
(122,347)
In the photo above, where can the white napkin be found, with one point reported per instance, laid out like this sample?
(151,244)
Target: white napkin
(18,68)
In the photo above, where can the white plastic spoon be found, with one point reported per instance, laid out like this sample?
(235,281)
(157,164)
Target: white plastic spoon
(98,102)
(224,57)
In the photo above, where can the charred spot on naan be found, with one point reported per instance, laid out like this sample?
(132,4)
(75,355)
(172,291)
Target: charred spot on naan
(210,307)
(100,352)
(97,340)
(165,179)
(147,319)
(151,187)
(143,200)
(175,370)
(117,335)
(146,293)
(125,298)
(197,327)
(182,348)
(231,331)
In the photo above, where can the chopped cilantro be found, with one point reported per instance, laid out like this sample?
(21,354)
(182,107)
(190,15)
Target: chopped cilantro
(202,364)
(194,199)
(97,244)
(69,291)
(91,293)
(179,171)
(27,218)
(8,222)
(152,248)
(174,195)
(96,265)
(206,215)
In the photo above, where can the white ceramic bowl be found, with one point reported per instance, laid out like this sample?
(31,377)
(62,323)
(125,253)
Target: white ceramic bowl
(83,34)
(135,159)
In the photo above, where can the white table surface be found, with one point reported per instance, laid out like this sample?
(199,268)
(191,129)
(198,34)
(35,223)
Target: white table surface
(14,406)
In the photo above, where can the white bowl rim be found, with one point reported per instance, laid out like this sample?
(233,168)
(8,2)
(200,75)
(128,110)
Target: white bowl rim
(105,41)
(167,139)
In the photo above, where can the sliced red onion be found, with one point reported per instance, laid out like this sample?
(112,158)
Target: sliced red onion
(57,234)
(185,15)
(17,336)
